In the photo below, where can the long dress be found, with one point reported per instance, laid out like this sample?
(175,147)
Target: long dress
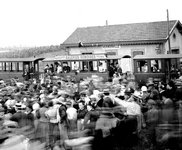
(42,131)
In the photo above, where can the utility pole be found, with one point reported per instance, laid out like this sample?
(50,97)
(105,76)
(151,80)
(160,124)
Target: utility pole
(168,32)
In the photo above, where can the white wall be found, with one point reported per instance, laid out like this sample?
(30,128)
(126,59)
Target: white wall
(126,64)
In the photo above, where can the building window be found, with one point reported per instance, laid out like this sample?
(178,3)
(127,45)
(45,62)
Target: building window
(156,66)
(174,37)
(142,66)
(175,51)
(139,52)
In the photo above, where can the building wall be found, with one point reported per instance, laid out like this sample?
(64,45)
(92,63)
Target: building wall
(120,50)
(125,63)
(176,43)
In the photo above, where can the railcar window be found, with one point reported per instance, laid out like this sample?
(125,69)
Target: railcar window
(41,66)
(66,67)
(102,66)
(36,67)
(156,66)
(84,67)
(142,66)
(4,66)
(95,68)
(7,66)
(75,66)
(13,66)
(20,66)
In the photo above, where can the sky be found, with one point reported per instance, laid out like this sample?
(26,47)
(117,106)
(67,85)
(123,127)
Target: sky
(51,22)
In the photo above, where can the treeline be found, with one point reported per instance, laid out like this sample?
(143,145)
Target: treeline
(35,51)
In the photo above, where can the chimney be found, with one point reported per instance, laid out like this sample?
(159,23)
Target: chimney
(106,23)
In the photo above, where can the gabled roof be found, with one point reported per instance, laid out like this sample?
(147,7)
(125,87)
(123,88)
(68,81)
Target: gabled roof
(123,33)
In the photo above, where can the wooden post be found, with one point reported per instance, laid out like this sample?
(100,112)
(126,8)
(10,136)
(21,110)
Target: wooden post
(168,32)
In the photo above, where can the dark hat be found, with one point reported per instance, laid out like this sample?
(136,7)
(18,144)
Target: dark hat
(150,84)
(1,109)
(83,93)
(69,103)
(129,90)
(18,106)
(106,91)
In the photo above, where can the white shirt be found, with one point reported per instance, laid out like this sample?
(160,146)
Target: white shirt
(71,113)
(132,108)
(59,69)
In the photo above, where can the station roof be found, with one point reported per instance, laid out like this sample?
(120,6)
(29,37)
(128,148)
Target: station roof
(122,33)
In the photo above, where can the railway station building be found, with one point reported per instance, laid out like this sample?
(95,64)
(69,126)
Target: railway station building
(127,40)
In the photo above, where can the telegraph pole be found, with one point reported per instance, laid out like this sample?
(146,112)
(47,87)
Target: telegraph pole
(168,32)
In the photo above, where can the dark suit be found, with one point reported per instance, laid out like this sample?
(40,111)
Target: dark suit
(20,118)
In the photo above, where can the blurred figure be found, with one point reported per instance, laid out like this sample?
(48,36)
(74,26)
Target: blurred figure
(72,116)
(171,91)
(152,120)
(54,132)
(153,93)
(167,113)
(90,118)
(42,131)
(104,127)
(20,117)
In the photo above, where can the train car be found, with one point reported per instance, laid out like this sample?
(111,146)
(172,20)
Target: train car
(82,66)
(160,67)
(15,67)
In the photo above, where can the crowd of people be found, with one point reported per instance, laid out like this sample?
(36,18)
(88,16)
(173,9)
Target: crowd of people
(54,114)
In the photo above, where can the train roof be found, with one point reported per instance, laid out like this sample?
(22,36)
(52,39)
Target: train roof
(20,59)
(158,56)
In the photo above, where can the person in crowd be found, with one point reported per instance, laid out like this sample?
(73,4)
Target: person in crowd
(30,120)
(46,69)
(111,71)
(171,90)
(104,126)
(82,111)
(100,99)
(144,93)
(72,116)
(59,69)
(54,132)
(128,93)
(152,120)
(108,101)
(42,131)
(153,92)
(116,78)
(20,117)
(119,69)
(90,118)
(51,68)
(26,75)
(167,113)
(63,121)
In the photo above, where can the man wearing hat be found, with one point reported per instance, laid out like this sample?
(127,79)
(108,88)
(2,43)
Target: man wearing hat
(153,93)
(108,99)
(128,93)
(19,117)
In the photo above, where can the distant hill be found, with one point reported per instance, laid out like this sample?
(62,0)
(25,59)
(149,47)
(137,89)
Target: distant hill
(20,52)
(7,49)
